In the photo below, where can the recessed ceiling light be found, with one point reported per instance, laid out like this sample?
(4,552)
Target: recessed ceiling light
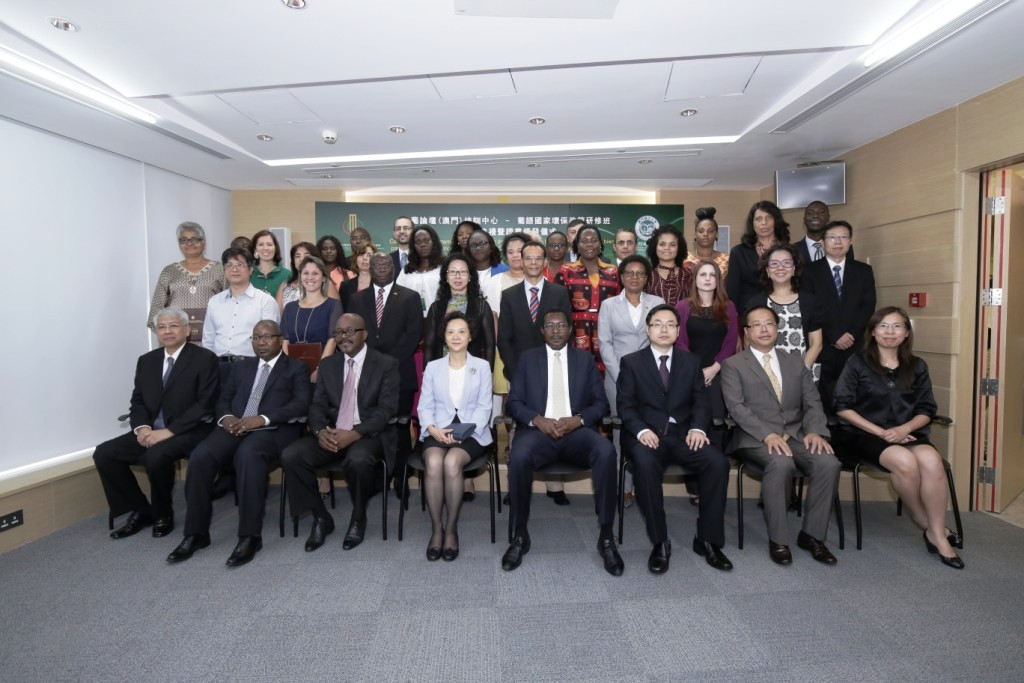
(538,120)
(644,161)
(62,24)
(428,170)
(533,166)
(326,175)
(688,112)
(264,138)
(294,4)
(397,129)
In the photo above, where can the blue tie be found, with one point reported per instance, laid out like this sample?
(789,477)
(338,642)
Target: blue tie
(836,270)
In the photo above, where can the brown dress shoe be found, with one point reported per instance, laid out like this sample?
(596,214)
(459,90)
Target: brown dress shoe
(779,553)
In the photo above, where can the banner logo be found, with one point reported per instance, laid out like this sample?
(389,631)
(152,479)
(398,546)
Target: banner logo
(645,227)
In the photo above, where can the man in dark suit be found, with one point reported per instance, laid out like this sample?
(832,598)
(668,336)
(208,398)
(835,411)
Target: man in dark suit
(258,409)
(845,290)
(781,426)
(394,326)
(665,418)
(171,408)
(402,233)
(557,401)
(356,395)
(812,248)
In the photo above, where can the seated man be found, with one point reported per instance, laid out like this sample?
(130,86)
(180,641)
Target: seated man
(171,408)
(356,395)
(781,426)
(264,392)
(557,400)
(665,416)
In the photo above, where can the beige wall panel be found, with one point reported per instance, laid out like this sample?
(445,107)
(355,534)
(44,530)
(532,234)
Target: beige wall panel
(941,299)
(940,367)
(37,504)
(255,210)
(933,335)
(924,266)
(905,236)
(77,497)
(991,128)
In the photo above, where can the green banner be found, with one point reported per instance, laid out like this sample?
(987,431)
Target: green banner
(340,218)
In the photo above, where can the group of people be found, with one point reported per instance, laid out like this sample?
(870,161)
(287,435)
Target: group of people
(310,366)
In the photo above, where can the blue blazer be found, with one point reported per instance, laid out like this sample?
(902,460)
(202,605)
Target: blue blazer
(285,397)
(528,394)
(436,407)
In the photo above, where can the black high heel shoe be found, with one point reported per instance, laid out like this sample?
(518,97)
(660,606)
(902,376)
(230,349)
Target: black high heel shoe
(955,562)
(434,552)
(954,539)
(449,554)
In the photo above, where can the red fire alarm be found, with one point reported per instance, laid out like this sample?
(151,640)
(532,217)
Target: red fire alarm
(918,299)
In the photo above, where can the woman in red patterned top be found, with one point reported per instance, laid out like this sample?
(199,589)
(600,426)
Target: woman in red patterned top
(666,250)
(589,281)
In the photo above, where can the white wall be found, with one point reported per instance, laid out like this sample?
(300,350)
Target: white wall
(78,282)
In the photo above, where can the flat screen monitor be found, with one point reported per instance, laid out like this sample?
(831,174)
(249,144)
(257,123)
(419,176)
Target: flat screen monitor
(799,187)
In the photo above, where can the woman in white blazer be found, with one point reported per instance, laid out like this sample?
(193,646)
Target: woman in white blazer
(622,329)
(456,388)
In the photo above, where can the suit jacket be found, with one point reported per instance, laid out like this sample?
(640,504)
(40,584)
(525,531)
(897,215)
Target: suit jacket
(741,282)
(757,411)
(400,331)
(528,394)
(616,335)
(376,397)
(852,312)
(286,395)
(516,331)
(190,394)
(644,403)
(436,407)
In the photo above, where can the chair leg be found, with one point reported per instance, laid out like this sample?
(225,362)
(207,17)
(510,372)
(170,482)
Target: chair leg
(739,505)
(956,506)
(423,491)
(491,474)
(295,526)
(110,521)
(856,504)
(403,505)
(800,497)
(384,505)
(899,507)
(497,477)
(331,477)
(284,491)
(839,520)
(621,504)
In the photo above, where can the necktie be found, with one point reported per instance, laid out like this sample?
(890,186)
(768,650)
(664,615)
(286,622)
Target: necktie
(158,423)
(776,385)
(558,405)
(837,276)
(818,252)
(347,412)
(403,259)
(380,306)
(534,303)
(167,372)
(253,406)
(663,370)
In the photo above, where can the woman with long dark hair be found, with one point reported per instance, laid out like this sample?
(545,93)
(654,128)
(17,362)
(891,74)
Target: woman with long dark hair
(764,231)
(332,253)
(423,272)
(666,249)
(459,290)
(460,238)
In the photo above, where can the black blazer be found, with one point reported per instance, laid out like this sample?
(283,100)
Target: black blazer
(376,397)
(400,331)
(851,314)
(516,331)
(741,281)
(190,394)
(482,343)
(643,403)
(346,291)
(395,259)
(528,395)
(285,397)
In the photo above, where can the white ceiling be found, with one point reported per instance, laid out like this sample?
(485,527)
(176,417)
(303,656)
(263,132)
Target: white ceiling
(220,73)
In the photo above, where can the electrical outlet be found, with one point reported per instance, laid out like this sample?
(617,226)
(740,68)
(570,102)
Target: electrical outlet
(12,519)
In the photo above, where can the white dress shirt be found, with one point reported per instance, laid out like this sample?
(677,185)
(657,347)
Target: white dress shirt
(229,320)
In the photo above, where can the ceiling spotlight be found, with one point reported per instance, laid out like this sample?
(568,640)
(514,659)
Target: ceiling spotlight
(62,24)
(397,129)
(538,120)
(329,136)
(264,138)
(533,166)
(326,175)
(294,4)
(645,161)
(688,112)
(428,170)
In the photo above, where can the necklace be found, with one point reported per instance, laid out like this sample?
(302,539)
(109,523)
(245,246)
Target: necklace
(305,330)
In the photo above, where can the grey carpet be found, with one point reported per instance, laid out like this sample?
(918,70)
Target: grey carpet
(77,606)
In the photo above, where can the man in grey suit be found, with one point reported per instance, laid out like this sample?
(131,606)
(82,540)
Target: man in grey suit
(782,427)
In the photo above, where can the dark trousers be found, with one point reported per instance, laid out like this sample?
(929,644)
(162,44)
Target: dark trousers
(711,472)
(360,462)
(251,456)
(114,459)
(584,447)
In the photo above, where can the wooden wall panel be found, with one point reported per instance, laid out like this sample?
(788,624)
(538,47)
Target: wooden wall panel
(941,298)
(991,128)
(732,205)
(932,230)
(934,335)
(940,367)
(924,266)
(255,210)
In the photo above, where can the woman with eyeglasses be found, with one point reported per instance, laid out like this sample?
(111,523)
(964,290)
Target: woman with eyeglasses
(800,317)
(188,284)
(423,272)
(765,230)
(459,291)
(885,402)
(268,274)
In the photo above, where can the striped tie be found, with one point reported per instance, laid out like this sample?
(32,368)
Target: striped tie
(380,306)
(837,276)
(253,406)
(818,253)
(534,303)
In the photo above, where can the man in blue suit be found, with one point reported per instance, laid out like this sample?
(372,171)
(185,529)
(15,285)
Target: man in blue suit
(557,401)
(256,419)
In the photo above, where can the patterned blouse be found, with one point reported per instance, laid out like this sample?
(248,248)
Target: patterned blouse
(720,258)
(673,288)
(181,288)
(586,292)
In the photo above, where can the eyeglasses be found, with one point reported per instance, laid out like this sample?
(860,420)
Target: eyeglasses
(895,327)
(634,273)
(235,265)
(458,273)
(837,238)
(190,240)
(348,331)
(776,265)
(555,326)
(663,326)
(263,337)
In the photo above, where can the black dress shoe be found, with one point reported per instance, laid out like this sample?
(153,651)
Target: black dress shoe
(137,521)
(779,553)
(450,553)
(559,497)
(955,562)
(657,563)
(468,496)
(712,554)
(433,554)
(817,549)
(163,526)
(246,549)
(321,527)
(188,546)
(613,563)
(354,536)
(513,557)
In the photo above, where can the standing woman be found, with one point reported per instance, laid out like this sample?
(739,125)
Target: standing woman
(456,388)
(705,234)
(590,281)
(486,258)
(460,238)
(290,291)
(333,256)
(189,283)
(666,250)
(799,312)
(557,247)
(362,278)
(512,252)
(885,401)
(311,319)
(268,274)
(423,272)
(459,291)
(358,238)
(765,229)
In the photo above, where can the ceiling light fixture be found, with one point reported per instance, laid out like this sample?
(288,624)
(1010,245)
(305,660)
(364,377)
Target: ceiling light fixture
(688,112)
(533,166)
(397,129)
(62,24)
(538,120)
(326,175)
(933,27)
(620,145)
(44,77)
(428,170)
(264,138)
(645,161)
(294,4)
